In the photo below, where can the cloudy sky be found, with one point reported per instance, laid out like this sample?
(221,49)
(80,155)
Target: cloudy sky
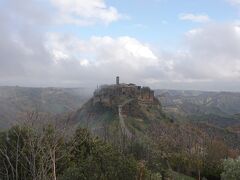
(168,44)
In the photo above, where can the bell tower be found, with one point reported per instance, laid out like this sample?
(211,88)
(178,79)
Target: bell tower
(117,80)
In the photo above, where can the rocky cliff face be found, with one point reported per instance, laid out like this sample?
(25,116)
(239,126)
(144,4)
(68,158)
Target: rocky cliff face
(126,105)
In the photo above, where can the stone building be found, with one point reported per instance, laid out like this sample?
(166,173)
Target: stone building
(107,94)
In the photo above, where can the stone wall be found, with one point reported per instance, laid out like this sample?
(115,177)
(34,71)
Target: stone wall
(146,94)
(107,94)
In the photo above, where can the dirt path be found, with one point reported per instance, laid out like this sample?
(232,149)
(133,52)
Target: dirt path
(124,128)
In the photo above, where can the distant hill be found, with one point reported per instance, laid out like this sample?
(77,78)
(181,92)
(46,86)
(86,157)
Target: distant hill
(218,108)
(14,101)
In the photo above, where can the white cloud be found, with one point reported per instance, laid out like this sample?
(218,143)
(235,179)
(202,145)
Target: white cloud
(85,12)
(200,18)
(213,53)
(59,55)
(125,52)
(99,59)
(84,62)
(208,59)
(234,2)
(194,32)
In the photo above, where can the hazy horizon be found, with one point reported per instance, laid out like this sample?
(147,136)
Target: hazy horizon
(91,89)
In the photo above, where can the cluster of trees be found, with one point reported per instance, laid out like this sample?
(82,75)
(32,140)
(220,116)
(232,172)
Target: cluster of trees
(49,153)
(185,148)
(231,169)
(178,147)
(56,152)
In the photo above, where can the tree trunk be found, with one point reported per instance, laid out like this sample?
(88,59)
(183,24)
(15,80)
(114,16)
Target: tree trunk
(54,165)
(199,174)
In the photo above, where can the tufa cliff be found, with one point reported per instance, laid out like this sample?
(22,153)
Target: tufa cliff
(128,106)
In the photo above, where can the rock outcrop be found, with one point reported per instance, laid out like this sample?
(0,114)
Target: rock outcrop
(130,106)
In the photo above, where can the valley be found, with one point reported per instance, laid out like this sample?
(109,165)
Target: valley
(181,130)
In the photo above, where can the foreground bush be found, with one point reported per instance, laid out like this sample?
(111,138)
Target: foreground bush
(231,169)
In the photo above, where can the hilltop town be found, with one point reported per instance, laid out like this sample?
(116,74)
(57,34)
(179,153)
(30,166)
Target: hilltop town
(126,107)
(119,92)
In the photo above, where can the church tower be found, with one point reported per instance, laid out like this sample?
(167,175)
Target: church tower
(117,80)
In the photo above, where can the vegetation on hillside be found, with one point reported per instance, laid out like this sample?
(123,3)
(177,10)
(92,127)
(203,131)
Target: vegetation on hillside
(231,169)
(159,147)
(167,151)
(48,153)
